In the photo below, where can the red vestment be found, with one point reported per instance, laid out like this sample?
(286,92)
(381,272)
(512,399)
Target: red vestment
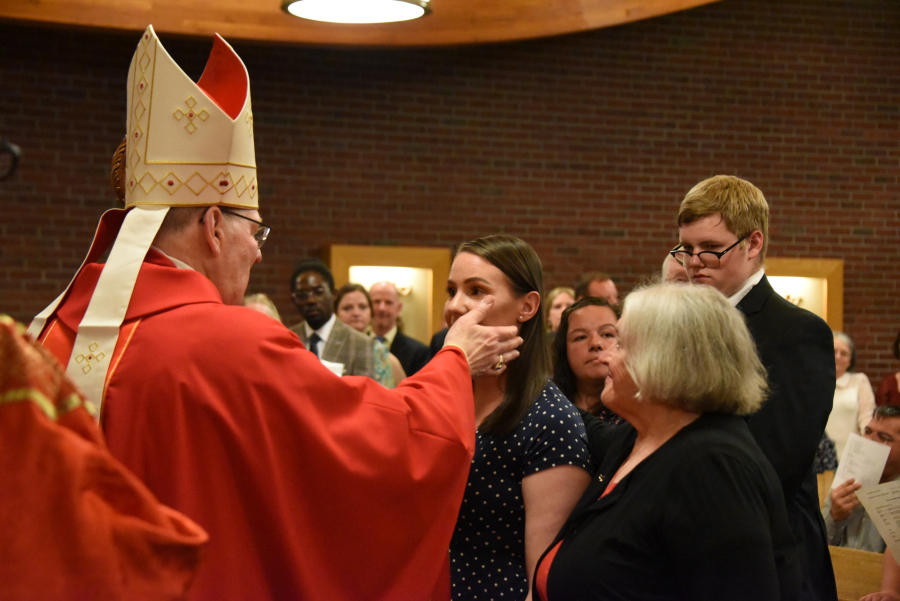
(74,524)
(310,486)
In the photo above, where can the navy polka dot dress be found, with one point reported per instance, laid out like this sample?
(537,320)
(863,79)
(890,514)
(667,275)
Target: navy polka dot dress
(487,552)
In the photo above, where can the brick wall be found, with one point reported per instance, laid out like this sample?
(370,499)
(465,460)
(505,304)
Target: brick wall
(582,144)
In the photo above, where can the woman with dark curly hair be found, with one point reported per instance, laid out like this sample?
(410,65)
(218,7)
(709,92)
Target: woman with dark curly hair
(585,330)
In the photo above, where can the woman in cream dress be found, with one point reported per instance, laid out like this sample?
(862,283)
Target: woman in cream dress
(854,400)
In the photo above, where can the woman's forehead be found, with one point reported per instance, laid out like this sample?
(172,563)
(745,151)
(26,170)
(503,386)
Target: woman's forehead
(593,314)
(468,265)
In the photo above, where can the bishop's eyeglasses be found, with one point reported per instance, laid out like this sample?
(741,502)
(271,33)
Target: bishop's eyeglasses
(262,232)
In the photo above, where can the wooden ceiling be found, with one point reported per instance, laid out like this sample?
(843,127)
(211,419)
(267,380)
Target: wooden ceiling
(451,21)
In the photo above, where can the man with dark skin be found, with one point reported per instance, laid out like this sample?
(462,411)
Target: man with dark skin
(314,299)
(334,342)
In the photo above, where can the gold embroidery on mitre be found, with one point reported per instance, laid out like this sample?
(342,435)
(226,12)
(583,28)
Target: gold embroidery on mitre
(142,85)
(92,356)
(147,183)
(191,114)
(196,183)
(141,112)
(170,183)
(223,183)
(191,173)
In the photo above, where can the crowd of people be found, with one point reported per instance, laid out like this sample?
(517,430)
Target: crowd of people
(544,447)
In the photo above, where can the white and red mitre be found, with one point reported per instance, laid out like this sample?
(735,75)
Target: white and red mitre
(188,144)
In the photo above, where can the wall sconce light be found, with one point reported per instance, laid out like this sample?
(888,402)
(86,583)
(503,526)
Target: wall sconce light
(401,277)
(357,11)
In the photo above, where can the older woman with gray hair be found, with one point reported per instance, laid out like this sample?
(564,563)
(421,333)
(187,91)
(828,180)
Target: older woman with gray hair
(684,504)
(854,402)
(854,399)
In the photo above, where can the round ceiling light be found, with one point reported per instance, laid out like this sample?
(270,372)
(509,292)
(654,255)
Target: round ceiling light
(357,11)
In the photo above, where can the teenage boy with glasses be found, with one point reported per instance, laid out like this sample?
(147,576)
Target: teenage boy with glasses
(723,229)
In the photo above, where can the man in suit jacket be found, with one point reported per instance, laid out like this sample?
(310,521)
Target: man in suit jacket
(312,290)
(413,355)
(723,229)
(437,341)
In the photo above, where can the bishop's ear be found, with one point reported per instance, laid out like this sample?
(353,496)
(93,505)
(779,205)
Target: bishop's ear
(213,222)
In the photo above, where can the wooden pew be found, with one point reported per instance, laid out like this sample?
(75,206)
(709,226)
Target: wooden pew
(857,572)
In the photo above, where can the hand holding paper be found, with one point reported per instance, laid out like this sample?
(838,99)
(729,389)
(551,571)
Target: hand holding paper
(844,500)
(863,460)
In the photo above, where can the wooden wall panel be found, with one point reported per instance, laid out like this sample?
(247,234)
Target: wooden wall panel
(451,21)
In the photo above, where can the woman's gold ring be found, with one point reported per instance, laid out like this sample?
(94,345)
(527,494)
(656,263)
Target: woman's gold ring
(499,365)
